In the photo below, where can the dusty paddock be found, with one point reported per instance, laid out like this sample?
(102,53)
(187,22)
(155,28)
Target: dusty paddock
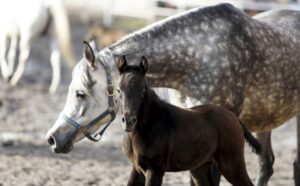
(27,111)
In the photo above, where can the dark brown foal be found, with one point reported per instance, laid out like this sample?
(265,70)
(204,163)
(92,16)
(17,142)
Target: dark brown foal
(162,137)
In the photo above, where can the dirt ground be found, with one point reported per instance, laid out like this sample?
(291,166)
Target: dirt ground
(28,111)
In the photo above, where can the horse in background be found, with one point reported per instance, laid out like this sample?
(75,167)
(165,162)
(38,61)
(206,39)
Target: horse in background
(24,21)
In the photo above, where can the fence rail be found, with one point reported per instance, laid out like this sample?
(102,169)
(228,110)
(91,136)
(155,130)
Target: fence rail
(149,9)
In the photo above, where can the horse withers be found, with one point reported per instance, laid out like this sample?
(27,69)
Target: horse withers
(162,137)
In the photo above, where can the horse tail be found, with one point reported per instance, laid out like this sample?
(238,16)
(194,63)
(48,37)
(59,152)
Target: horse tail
(253,142)
(62,30)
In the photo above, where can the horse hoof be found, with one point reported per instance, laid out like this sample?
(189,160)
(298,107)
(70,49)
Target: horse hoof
(7,79)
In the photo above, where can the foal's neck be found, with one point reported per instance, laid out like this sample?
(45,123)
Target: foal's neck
(153,109)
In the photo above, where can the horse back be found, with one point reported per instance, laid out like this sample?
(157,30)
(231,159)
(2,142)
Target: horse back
(204,132)
(223,120)
(219,117)
(227,125)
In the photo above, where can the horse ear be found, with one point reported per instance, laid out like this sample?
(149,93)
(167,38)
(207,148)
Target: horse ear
(122,64)
(96,41)
(89,54)
(144,64)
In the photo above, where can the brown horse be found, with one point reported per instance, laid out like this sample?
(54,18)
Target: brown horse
(162,137)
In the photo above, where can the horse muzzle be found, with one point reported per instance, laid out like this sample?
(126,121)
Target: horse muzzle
(59,147)
(60,139)
(129,123)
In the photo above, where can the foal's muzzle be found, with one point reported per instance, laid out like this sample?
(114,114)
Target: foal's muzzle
(129,123)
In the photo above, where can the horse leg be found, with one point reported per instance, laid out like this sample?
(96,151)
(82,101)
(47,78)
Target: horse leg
(55,63)
(297,160)
(233,167)
(4,65)
(201,176)
(12,53)
(154,177)
(23,58)
(136,178)
(266,159)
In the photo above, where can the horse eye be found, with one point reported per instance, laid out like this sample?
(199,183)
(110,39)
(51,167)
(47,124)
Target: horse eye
(80,94)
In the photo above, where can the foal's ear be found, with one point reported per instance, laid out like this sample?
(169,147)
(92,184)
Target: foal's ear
(88,54)
(122,64)
(144,64)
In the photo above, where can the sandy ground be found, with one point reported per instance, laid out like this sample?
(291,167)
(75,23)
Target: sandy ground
(28,111)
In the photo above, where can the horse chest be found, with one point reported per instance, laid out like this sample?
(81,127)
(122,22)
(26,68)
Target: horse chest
(143,154)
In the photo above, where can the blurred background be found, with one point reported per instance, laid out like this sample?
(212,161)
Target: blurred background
(27,110)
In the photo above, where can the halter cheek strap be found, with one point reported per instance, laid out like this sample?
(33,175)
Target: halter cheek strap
(110,111)
(96,137)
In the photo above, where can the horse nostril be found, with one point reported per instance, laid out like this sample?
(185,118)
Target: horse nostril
(123,119)
(51,141)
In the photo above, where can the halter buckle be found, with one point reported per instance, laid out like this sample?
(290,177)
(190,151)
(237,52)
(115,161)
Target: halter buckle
(110,90)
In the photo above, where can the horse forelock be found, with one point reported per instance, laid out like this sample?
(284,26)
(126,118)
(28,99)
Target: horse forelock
(128,76)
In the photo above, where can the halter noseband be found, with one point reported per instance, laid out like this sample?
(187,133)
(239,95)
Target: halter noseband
(109,111)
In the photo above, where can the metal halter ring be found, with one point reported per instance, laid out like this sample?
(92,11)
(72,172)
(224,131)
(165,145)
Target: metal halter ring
(110,90)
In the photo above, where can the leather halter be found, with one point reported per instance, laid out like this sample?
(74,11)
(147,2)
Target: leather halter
(108,112)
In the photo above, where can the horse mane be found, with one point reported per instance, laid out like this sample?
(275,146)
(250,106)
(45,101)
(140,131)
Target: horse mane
(137,41)
(155,99)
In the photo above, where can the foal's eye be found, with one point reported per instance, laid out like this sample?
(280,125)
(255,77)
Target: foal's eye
(80,95)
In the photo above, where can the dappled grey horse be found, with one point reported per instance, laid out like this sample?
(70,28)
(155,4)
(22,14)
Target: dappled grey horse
(218,55)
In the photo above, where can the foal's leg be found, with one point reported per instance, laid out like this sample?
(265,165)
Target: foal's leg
(201,176)
(55,63)
(233,167)
(154,177)
(266,159)
(23,58)
(297,160)
(136,178)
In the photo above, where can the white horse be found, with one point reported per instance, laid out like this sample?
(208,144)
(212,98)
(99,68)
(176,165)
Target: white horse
(23,21)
